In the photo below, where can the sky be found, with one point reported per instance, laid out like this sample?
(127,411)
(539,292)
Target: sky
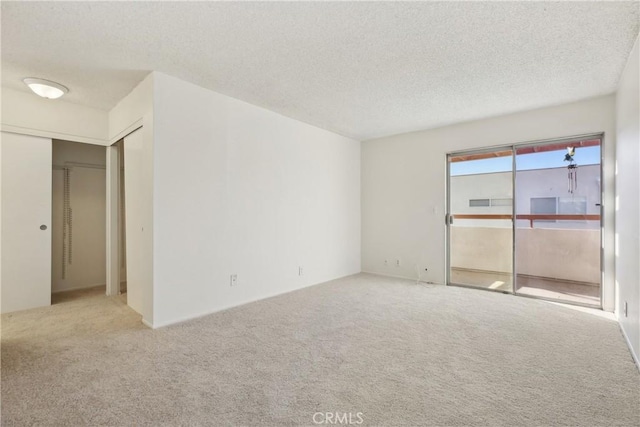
(548,159)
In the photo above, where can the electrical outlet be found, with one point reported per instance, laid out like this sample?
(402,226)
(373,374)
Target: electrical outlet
(397,263)
(626,311)
(300,271)
(233,280)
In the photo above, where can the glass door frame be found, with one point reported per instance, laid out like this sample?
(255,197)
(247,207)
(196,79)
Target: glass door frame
(514,148)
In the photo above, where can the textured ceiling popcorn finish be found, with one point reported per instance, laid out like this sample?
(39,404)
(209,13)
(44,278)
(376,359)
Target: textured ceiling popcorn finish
(361,69)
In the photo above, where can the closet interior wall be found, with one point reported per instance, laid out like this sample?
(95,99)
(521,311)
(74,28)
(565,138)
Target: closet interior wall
(78,216)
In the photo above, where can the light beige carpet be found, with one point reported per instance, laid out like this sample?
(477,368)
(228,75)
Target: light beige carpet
(398,353)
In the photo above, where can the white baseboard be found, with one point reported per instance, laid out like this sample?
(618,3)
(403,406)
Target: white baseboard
(376,273)
(626,338)
(157,325)
(76,288)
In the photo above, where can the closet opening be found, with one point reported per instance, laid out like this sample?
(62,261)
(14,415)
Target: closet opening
(78,267)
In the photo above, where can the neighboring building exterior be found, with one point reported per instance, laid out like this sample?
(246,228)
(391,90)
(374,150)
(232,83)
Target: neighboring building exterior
(539,191)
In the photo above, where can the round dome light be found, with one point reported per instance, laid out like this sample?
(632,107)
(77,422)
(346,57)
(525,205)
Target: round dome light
(45,88)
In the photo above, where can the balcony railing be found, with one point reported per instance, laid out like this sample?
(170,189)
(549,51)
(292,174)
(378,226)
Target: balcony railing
(529,217)
(567,253)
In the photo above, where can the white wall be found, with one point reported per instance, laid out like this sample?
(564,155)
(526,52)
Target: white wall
(87,201)
(627,195)
(242,190)
(132,110)
(404,183)
(136,109)
(27,113)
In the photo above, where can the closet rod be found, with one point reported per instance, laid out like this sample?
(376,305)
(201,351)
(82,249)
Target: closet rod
(78,165)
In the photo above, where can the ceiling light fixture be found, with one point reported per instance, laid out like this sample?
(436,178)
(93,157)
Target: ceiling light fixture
(45,88)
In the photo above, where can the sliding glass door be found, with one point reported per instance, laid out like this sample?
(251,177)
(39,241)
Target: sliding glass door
(553,248)
(480,220)
(558,193)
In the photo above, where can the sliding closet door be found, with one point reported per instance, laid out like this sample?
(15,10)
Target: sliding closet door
(26,221)
(136,202)
(480,216)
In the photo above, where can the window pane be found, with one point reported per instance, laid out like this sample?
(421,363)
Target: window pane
(479,202)
(543,206)
(572,206)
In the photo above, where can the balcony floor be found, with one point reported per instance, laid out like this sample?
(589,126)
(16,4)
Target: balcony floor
(572,292)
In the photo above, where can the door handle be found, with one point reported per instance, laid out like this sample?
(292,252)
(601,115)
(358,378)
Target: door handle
(43,227)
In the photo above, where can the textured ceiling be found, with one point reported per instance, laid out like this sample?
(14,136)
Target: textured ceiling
(362,69)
